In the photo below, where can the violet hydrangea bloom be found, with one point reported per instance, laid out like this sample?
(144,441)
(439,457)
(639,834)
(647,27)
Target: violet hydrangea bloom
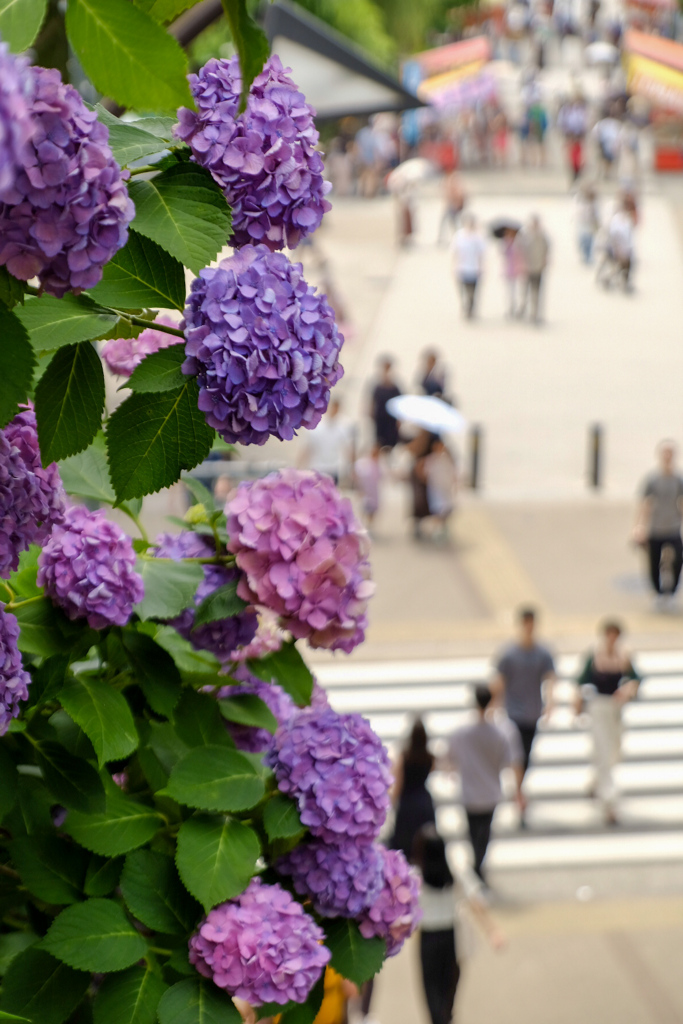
(68,210)
(262,947)
(32,499)
(122,355)
(16,124)
(304,555)
(336,770)
(395,914)
(14,679)
(341,879)
(250,738)
(263,345)
(87,568)
(265,158)
(224,635)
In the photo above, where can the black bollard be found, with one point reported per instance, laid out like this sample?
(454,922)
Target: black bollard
(595,455)
(475,455)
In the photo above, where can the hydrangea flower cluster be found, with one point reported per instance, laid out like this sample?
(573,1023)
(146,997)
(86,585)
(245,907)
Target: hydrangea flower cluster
(32,499)
(223,636)
(14,679)
(304,555)
(250,738)
(337,771)
(341,880)
(395,914)
(68,210)
(267,639)
(263,345)
(262,947)
(16,126)
(265,158)
(122,355)
(87,568)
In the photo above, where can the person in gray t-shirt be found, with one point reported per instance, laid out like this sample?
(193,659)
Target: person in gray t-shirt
(658,525)
(522,668)
(479,752)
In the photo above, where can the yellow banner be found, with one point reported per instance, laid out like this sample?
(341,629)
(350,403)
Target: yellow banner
(663,86)
(438,83)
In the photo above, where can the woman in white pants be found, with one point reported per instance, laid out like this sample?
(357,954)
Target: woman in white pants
(607,682)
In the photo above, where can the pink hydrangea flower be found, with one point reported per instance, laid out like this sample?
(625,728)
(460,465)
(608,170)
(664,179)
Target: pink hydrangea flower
(122,355)
(395,914)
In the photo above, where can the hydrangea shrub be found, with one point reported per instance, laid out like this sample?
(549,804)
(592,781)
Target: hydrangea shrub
(184,818)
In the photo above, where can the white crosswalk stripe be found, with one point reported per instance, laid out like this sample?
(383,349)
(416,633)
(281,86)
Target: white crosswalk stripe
(565,824)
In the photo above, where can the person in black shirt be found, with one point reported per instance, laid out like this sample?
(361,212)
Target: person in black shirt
(608,681)
(432,376)
(386,427)
(413,801)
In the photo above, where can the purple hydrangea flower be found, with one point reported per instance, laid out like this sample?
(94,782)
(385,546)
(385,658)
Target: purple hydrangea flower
(265,159)
(68,210)
(304,555)
(223,636)
(336,769)
(319,698)
(395,914)
(122,355)
(262,947)
(263,345)
(32,499)
(16,125)
(88,568)
(14,679)
(247,737)
(342,880)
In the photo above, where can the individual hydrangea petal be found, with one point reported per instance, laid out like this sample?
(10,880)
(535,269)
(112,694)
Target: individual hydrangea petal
(304,555)
(68,210)
(32,499)
(263,346)
(261,947)
(122,355)
(87,568)
(14,679)
(250,738)
(395,914)
(264,159)
(16,124)
(336,769)
(341,880)
(223,636)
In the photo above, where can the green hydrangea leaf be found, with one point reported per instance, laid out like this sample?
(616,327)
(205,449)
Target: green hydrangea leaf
(222,603)
(86,475)
(154,894)
(156,672)
(281,818)
(69,402)
(198,721)
(248,709)
(50,868)
(216,857)
(152,438)
(17,362)
(287,668)
(95,936)
(250,42)
(102,875)
(124,825)
(164,11)
(142,274)
(215,778)
(52,323)
(20,22)
(159,371)
(42,989)
(12,944)
(72,780)
(103,715)
(130,997)
(184,211)
(11,289)
(197,1001)
(127,55)
(169,587)
(354,957)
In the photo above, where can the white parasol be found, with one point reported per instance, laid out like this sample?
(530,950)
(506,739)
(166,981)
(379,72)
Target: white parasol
(427,411)
(601,53)
(409,173)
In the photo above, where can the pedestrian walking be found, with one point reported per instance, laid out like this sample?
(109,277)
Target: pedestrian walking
(514,268)
(521,672)
(536,249)
(432,375)
(658,524)
(587,214)
(468,248)
(412,800)
(479,752)
(607,682)
(440,911)
(621,242)
(607,134)
(368,476)
(386,427)
(454,196)
(441,479)
(328,448)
